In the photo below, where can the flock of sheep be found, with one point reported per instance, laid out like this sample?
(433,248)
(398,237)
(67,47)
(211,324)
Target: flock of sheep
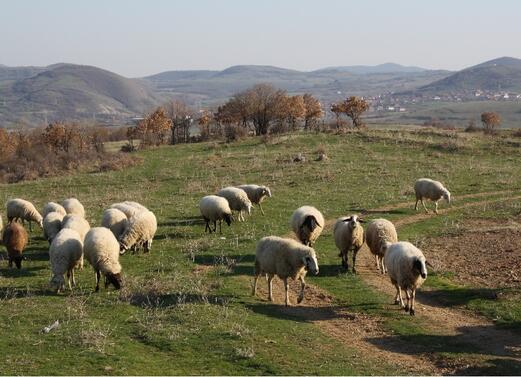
(131,226)
(287,258)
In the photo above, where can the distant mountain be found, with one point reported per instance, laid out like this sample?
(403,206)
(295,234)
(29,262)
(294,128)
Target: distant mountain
(502,74)
(368,69)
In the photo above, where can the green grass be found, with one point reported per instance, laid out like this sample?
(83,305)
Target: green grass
(186,308)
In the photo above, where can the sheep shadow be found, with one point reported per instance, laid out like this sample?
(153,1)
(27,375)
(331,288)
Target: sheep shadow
(328,270)
(456,296)
(183,221)
(153,300)
(299,313)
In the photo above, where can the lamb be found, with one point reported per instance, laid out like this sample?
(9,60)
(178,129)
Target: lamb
(348,234)
(74,207)
(127,209)
(378,233)
(15,240)
(429,189)
(215,208)
(140,230)
(65,253)
(52,224)
(53,207)
(285,258)
(407,269)
(101,249)
(23,210)
(256,194)
(115,220)
(307,222)
(237,199)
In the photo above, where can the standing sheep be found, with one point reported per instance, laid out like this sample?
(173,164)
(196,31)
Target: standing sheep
(65,253)
(53,207)
(307,223)
(140,230)
(23,210)
(256,194)
(348,234)
(101,249)
(237,199)
(378,233)
(52,224)
(115,220)
(74,207)
(426,188)
(285,258)
(407,269)
(215,208)
(15,240)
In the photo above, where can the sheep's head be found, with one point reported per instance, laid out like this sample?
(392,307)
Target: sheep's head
(228,218)
(114,279)
(353,221)
(266,191)
(311,223)
(57,283)
(446,196)
(419,267)
(311,264)
(122,247)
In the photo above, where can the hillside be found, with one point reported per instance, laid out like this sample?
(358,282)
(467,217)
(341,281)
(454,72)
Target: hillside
(380,68)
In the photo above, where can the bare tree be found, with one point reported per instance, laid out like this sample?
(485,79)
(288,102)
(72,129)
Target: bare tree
(313,110)
(181,116)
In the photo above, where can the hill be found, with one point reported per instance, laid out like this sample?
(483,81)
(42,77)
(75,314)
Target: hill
(380,68)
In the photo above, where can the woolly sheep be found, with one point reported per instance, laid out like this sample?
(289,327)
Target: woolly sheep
(237,199)
(429,189)
(115,220)
(23,210)
(407,269)
(74,207)
(101,249)
(53,207)
(126,208)
(348,234)
(15,240)
(285,258)
(307,222)
(256,194)
(140,230)
(215,208)
(65,253)
(52,224)
(79,224)
(378,232)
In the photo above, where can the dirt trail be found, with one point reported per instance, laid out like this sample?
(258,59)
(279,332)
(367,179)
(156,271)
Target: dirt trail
(452,327)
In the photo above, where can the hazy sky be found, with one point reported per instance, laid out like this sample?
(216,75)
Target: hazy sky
(138,38)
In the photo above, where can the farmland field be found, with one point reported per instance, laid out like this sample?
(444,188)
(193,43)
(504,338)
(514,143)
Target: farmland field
(186,307)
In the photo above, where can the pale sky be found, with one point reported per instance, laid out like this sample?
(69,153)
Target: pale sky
(139,38)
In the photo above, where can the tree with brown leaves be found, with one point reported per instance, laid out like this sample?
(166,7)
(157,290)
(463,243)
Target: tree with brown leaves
(491,121)
(313,111)
(354,107)
(337,108)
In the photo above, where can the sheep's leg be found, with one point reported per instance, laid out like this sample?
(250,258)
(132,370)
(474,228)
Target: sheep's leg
(416,205)
(383,270)
(408,299)
(207,226)
(69,279)
(10,264)
(355,251)
(436,207)
(286,288)
(30,226)
(425,208)
(254,289)
(220,227)
(98,277)
(377,258)
(270,287)
(400,298)
(262,211)
(343,254)
(73,279)
(302,287)
(215,225)
(413,297)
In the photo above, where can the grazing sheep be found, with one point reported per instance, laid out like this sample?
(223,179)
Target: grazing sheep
(65,253)
(237,199)
(429,189)
(15,240)
(52,224)
(285,258)
(307,222)
(74,207)
(127,209)
(101,249)
(406,267)
(53,207)
(215,208)
(140,230)
(348,234)
(79,224)
(23,210)
(377,234)
(256,194)
(115,220)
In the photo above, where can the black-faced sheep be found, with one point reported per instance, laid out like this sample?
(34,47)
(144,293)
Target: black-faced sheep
(426,188)
(307,223)
(215,208)
(140,230)
(348,234)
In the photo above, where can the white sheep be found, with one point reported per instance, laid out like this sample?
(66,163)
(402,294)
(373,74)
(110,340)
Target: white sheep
(348,234)
(101,249)
(426,188)
(140,230)
(407,269)
(20,209)
(237,199)
(215,208)
(79,224)
(53,207)
(65,253)
(307,223)
(127,209)
(115,220)
(74,207)
(285,258)
(256,194)
(52,224)
(377,234)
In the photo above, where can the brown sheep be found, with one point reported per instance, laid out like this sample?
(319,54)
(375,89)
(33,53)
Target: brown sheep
(15,240)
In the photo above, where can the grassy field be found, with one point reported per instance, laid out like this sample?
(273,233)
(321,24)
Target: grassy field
(186,307)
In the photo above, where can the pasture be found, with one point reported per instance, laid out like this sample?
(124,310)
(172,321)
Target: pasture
(186,307)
